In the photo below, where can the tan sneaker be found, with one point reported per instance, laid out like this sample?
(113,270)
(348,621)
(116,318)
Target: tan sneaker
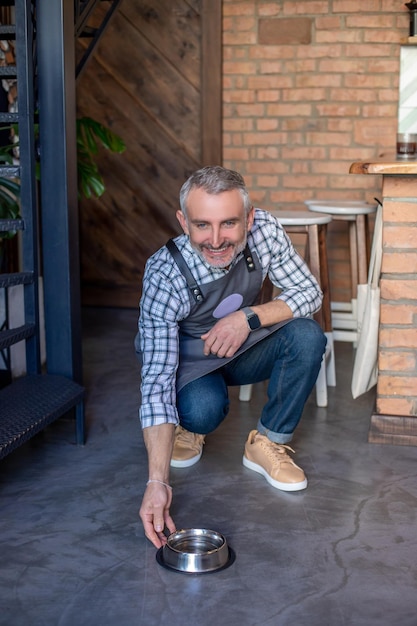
(188,448)
(272,461)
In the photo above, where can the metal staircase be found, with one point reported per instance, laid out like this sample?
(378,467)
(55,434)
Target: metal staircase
(44,32)
(84,11)
(31,402)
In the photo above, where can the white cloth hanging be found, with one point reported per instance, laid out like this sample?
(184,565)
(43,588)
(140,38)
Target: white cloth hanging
(365,368)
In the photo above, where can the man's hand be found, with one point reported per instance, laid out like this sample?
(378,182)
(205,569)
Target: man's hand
(227,335)
(154,513)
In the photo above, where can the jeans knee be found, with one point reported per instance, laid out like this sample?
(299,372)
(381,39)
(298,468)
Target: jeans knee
(202,414)
(308,337)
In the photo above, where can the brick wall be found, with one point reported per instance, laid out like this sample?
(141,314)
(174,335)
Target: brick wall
(397,381)
(309,87)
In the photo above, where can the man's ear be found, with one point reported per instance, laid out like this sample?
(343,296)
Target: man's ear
(183,222)
(250,218)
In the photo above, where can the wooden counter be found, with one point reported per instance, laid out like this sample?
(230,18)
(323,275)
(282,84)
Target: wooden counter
(395,417)
(391,167)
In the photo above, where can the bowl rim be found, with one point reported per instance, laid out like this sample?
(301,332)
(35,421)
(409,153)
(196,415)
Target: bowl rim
(198,532)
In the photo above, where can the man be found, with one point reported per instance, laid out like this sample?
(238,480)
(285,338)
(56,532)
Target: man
(201,330)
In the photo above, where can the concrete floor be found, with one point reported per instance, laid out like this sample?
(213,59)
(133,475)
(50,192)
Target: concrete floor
(73,553)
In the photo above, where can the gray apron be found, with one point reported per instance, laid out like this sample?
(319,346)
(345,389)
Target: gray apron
(239,288)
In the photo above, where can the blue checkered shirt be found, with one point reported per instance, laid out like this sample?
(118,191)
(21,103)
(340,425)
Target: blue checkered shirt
(166,300)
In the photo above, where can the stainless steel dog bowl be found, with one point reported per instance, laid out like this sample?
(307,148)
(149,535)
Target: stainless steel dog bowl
(195,551)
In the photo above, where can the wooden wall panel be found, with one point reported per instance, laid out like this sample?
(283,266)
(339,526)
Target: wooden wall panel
(146,82)
(153,20)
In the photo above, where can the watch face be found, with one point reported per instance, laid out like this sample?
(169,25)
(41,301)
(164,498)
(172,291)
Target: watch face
(254,321)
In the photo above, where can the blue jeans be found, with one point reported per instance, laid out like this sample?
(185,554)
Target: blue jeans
(289,358)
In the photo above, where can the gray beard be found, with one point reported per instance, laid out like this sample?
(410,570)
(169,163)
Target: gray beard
(221,266)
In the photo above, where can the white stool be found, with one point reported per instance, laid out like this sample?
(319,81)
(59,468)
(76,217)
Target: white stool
(315,227)
(344,314)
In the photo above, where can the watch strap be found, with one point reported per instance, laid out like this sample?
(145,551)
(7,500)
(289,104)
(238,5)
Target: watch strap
(251,315)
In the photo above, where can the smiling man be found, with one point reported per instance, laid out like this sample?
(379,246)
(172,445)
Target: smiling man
(216,225)
(202,330)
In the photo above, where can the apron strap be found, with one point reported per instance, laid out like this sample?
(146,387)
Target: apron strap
(249,259)
(185,271)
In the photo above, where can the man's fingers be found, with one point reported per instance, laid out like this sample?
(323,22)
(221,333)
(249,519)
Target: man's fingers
(169,523)
(154,513)
(150,533)
(158,524)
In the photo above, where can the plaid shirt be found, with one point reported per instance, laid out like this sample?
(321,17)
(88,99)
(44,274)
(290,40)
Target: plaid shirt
(166,301)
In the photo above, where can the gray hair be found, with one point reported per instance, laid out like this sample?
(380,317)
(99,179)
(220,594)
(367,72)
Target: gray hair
(215,179)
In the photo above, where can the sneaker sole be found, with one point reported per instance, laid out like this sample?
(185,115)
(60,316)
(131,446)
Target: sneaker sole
(274,483)
(186,462)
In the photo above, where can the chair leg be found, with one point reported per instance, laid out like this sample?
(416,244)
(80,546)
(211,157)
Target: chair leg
(353,245)
(245,393)
(321,385)
(330,361)
(80,423)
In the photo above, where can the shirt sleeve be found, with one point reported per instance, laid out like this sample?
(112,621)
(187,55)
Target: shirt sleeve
(162,306)
(290,273)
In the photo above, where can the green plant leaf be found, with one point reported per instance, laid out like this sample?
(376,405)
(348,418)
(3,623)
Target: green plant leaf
(90,136)
(87,129)
(89,178)
(89,141)
(9,184)
(9,203)
(6,158)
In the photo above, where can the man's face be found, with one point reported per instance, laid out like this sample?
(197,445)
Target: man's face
(216,225)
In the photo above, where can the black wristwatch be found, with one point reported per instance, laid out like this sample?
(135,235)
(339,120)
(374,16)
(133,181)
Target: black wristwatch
(252,319)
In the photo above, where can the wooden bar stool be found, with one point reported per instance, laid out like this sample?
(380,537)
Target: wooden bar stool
(314,226)
(344,314)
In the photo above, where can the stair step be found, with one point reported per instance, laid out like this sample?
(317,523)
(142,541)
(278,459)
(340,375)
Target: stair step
(6,225)
(10,171)
(30,403)
(8,70)
(11,336)
(7,29)
(9,118)
(19,278)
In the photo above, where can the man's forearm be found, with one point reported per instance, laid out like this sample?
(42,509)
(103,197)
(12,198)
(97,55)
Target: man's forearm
(159,441)
(272,312)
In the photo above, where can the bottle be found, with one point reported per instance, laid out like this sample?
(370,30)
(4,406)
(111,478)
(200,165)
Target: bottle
(412,7)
